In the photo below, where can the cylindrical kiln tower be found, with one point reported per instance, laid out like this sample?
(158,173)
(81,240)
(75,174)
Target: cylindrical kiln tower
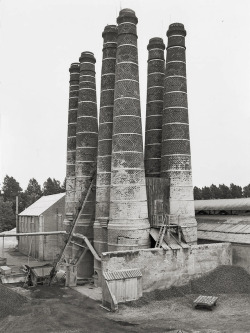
(86,152)
(155,89)
(128,227)
(71,145)
(176,155)
(105,139)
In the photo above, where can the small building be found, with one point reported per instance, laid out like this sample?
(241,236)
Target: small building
(44,215)
(226,220)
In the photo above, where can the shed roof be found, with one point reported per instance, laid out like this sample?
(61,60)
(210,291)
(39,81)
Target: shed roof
(41,205)
(232,229)
(223,204)
(122,274)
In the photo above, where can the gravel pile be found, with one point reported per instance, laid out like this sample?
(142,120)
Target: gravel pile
(10,301)
(222,280)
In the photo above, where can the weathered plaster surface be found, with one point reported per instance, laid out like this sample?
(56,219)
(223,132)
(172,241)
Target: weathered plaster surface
(241,256)
(162,269)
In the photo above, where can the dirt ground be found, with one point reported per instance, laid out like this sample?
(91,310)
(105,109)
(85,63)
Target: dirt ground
(59,309)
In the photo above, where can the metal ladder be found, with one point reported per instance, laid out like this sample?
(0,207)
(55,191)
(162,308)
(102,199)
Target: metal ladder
(71,234)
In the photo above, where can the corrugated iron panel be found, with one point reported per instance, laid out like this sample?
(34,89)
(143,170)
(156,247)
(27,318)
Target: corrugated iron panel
(122,274)
(242,230)
(224,227)
(219,227)
(210,226)
(236,228)
(201,226)
(247,229)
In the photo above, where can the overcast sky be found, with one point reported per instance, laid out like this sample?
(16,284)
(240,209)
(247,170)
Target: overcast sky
(41,38)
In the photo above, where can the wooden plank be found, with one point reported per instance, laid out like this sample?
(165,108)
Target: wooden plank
(157,193)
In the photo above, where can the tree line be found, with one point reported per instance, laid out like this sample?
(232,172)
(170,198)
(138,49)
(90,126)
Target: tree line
(11,189)
(221,192)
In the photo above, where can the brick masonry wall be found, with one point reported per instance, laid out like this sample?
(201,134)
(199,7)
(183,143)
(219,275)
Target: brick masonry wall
(176,154)
(162,269)
(128,227)
(155,90)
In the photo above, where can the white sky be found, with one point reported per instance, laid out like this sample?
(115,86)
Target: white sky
(40,39)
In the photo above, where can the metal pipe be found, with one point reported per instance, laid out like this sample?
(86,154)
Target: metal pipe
(88,244)
(35,233)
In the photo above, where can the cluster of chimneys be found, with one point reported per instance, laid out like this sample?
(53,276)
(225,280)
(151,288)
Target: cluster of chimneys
(116,214)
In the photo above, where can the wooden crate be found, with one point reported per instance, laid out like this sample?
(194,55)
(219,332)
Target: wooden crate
(207,302)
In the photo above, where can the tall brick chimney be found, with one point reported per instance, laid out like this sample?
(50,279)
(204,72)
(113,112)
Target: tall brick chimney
(71,145)
(155,90)
(105,138)
(176,155)
(128,227)
(105,144)
(86,153)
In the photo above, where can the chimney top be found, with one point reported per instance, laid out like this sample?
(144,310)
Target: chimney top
(176,28)
(156,41)
(128,14)
(86,55)
(74,66)
(109,29)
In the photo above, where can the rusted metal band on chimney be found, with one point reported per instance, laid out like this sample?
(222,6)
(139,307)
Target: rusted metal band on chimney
(128,227)
(71,143)
(105,138)
(155,90)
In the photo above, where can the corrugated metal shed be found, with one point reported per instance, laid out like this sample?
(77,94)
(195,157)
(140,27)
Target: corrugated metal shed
(41,205)
(122,274)
(235,230)
(223,204)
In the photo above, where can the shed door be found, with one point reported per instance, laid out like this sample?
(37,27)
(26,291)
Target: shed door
(131,289)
